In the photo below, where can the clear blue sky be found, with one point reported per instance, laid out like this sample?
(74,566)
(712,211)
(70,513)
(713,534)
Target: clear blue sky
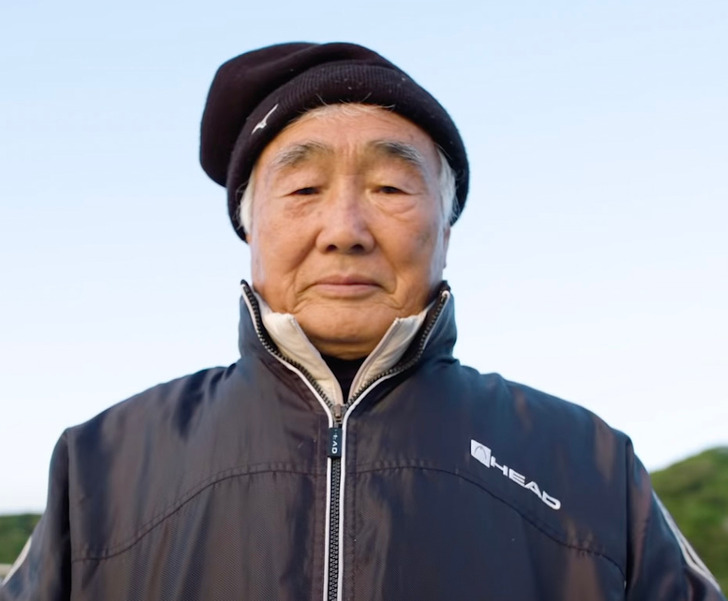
(591,260)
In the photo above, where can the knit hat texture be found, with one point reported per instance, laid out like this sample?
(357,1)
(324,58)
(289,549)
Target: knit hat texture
(255,95)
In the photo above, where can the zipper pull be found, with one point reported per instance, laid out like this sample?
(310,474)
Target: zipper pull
(335,442)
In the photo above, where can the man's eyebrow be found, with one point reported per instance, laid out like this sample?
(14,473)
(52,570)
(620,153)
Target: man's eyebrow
(296,154)
(400,150)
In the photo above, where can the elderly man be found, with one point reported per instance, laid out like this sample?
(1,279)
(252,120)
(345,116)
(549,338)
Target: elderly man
(347,454)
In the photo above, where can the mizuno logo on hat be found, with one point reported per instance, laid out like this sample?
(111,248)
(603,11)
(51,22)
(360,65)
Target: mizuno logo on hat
(264,121)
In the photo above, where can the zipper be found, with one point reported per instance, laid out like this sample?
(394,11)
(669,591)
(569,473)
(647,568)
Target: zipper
(336,452)
(338,417)
(336,570)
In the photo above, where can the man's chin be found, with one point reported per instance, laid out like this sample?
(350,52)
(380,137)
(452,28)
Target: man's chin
(347,333)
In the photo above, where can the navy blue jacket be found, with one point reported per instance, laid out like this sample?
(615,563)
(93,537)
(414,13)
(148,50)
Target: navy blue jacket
(434,482)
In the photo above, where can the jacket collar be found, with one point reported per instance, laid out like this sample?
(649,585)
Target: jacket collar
(404,342)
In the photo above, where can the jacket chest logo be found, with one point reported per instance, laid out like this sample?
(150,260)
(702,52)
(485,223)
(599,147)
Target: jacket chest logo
(485,456)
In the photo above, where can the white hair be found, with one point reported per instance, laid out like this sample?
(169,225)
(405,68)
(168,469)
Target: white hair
(446,178)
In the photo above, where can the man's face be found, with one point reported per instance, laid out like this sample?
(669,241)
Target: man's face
(347,227)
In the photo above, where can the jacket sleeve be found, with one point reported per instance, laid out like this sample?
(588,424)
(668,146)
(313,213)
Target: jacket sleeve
(662,566)
(42,572)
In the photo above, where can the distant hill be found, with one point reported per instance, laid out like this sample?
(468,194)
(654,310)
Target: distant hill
(695,491)
(14,531)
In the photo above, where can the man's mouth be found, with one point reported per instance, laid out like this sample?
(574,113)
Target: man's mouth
(347,286)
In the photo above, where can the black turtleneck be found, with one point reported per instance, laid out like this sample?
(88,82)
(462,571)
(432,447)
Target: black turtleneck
(344,370)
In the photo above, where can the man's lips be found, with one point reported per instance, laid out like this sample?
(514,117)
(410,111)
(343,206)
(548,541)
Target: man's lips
(346,280)
(345,285)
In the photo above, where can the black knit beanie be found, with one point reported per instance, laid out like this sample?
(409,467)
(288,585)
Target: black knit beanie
(255,95)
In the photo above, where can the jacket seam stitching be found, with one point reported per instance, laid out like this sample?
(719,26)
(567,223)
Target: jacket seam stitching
(175,507)
(540,527)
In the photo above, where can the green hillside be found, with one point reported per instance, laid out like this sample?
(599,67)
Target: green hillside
(14,531)
(695,491)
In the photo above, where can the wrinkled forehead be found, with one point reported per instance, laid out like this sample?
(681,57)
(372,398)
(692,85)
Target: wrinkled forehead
(379,133)
(384,148)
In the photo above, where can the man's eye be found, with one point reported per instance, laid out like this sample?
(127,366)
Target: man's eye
(306,191)
(389,190)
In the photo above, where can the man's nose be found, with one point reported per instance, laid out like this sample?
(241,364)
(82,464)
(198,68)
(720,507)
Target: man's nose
(345,223)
